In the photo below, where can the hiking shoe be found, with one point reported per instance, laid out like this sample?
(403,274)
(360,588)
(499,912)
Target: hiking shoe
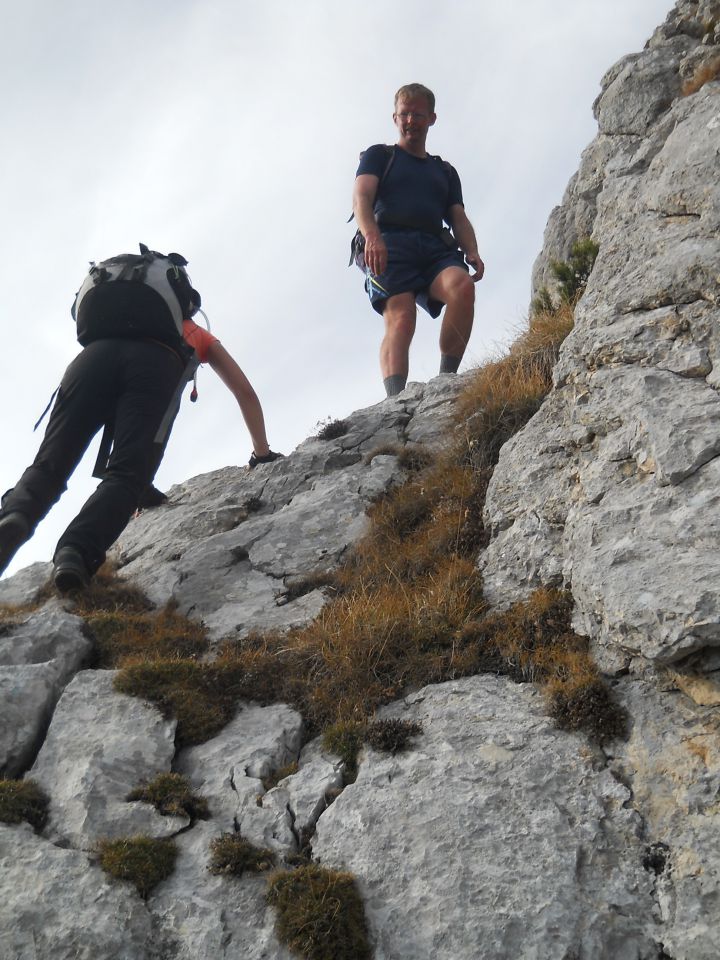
(14,531)
(151,497)
(70,572)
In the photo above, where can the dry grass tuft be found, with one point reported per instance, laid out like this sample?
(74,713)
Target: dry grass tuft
(705,73)
(411,457)
(231,854)
(123,636)
(23,800)
(506,393)
(171,795)
(142,861)
(534,641)
(320,914)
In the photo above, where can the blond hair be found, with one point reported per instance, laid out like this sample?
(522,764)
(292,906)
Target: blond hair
(416,90)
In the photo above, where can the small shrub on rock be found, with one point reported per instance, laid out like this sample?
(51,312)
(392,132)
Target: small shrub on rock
(171,795)
(142,861)
(332,429)
(232,854)
(591,708)
(572,276)
(108,592)
(391,736)
(320,914)
(23,800)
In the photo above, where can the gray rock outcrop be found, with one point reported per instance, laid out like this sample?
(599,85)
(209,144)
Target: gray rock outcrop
(611,489)
(495,834)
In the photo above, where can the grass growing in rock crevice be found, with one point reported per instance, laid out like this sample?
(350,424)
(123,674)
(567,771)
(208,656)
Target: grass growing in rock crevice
(142,861)
(171,794)
(23,800)
(319,914)
(345,740)
(232,855)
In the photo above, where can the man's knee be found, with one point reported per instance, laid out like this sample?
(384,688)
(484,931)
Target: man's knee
(454,288)
(400,315)
(462,291)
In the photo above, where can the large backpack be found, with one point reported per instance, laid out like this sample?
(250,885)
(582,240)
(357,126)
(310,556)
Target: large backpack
(140,296)
(145,295)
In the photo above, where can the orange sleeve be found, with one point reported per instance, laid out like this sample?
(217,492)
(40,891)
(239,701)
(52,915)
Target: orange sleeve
(198,338)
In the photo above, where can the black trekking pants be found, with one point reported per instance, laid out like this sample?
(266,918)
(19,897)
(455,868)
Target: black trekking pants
(129,383)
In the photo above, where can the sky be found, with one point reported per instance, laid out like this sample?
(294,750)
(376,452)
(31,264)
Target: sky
(230,132)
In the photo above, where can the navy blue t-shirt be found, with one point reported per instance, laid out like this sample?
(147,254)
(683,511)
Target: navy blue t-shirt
(416,190)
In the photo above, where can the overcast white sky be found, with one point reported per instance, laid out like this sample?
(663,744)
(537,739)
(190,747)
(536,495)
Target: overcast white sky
(230,132)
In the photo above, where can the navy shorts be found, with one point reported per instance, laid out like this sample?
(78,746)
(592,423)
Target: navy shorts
(414,260)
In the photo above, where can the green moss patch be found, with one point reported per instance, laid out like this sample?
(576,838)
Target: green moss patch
(320,914)
(142,861)
(232,854)
(171,795)
(23,800)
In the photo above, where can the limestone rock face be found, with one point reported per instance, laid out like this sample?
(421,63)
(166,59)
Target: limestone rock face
(39,654)
(520,857)
(494,834)
(611,489)
(55,904)
(100,745)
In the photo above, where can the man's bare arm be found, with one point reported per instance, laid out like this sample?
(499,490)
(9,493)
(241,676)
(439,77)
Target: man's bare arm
(364,193)
(465,236)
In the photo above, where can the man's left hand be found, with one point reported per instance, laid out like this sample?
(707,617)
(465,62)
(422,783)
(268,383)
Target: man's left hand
(474,261)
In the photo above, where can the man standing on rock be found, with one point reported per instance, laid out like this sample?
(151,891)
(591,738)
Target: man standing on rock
(401,198)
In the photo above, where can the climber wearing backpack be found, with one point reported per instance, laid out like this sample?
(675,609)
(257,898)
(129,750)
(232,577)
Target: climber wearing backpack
(140,347)
(401,197)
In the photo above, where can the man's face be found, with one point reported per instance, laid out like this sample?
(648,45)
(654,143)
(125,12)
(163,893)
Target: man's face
(413,118)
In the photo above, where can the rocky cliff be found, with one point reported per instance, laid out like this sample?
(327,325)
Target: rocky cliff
(496,834)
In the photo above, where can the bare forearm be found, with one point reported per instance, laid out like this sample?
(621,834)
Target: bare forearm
(465,236)
(467,241)
(364,216)
(241,388)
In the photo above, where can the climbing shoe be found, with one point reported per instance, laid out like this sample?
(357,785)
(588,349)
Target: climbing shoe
(14,531)
(69,572)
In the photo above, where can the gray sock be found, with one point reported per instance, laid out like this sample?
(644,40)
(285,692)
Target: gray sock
(394,384)
(449,364)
